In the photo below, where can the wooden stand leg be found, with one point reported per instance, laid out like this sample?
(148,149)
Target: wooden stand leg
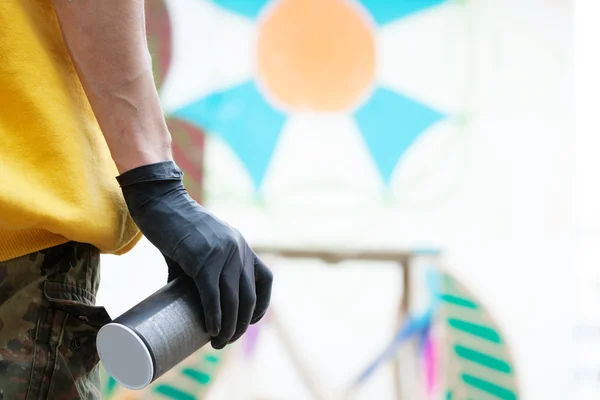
(309,380)
(403,308)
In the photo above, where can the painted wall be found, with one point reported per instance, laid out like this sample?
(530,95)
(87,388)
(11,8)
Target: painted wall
(451,130)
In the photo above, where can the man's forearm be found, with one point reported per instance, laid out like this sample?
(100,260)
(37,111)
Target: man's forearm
(107,43)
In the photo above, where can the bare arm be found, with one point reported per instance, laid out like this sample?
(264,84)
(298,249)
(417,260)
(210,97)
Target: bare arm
(107,43)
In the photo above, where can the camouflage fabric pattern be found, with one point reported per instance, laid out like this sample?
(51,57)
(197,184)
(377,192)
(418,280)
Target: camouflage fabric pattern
(48,324)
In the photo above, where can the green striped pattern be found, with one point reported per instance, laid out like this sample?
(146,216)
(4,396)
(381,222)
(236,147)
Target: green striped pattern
(482,359)
(458,301)
(211,358)
(479,365)
(188,381)
(201,377)
(109,385)
(192,381)
(172,392)
(481,331)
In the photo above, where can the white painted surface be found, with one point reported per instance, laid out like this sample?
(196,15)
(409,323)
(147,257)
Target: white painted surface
(497,197)
(587,202)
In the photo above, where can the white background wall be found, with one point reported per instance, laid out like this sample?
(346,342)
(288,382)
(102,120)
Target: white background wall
(587,202)
(496,196)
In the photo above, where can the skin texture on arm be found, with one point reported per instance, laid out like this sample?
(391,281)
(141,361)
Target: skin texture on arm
(107,43)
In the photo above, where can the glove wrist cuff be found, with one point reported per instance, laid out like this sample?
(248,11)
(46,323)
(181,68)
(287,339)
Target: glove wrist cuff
(162,171)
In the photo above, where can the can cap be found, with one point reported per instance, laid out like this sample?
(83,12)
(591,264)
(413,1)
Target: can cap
(125,356)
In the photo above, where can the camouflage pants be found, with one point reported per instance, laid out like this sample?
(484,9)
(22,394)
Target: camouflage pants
(48,324)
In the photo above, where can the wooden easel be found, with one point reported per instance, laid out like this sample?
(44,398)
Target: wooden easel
(403,259)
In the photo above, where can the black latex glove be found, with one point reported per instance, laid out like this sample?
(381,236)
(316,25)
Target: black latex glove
(234,284)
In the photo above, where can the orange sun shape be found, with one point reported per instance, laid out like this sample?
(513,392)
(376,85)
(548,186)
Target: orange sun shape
(306,62)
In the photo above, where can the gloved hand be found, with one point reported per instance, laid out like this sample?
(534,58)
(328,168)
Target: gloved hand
(234,284)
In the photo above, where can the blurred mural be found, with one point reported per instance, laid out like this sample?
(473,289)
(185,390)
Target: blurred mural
(431,135)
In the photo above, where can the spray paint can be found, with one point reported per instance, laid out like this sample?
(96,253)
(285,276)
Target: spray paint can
(154,336)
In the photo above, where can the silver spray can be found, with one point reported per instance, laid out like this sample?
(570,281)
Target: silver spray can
(154,336)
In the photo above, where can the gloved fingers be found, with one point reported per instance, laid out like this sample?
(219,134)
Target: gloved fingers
(229,285)
(209,290)
(263,278)
(247,304)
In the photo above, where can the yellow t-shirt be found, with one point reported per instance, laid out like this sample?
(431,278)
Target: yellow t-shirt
(57,179)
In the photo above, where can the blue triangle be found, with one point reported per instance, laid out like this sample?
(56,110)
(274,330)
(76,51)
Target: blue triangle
(244,120)
(247,8)
(390,123)
(384,11)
